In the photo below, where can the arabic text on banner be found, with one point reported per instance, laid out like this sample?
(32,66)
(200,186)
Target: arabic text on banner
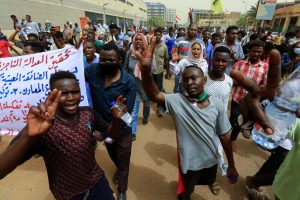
(24,82)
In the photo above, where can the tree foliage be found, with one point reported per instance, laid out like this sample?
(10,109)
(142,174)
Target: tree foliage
(156,21)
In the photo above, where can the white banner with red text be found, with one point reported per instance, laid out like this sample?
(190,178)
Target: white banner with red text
(24,82)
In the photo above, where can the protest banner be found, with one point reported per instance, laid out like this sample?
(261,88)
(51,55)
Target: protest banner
(24,82)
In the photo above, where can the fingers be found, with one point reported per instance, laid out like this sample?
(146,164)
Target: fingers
(34,111)
(274,72)
(245,82)
(259,116)
(52,101)
(121,100)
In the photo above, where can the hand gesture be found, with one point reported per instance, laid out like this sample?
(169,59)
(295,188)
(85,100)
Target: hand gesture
(117,113)
(175,55)
(145,57)
(232,175)
(250,104)
(18,29)
(40,118)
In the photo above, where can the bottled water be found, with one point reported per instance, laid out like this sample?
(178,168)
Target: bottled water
(126,117)
(280,112)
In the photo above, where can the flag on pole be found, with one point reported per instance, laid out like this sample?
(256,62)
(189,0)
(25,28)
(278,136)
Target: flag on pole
(216,6)
(177,18)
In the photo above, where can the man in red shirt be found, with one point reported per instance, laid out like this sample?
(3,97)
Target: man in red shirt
(4,45)
(253,68)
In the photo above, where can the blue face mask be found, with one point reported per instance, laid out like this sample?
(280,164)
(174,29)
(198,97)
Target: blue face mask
(129,33)
(297,51)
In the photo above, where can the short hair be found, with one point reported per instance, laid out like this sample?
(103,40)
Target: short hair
(36,47)
(195,67)
(256,43)
(222,49)
(181,28)
(113,26)
(230,28)
(13,16)
(289,34)
(158,30)
(111,46)
(254,36)
(27,16)
(269,46)
(59,35)
(91,42)
(33,35)
(60,75)
(242,32)
(215,35)
(297,31)
(171,28)
(207,30)
(193,24)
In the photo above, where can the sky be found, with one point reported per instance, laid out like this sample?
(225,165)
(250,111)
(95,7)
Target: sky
(182,6)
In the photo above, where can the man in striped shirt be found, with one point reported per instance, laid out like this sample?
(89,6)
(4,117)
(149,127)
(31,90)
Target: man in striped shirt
(253,68)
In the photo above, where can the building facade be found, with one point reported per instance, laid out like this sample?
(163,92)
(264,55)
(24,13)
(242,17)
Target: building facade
(171,16)
(220,21)
(59,11)
(156,9)
(286,17)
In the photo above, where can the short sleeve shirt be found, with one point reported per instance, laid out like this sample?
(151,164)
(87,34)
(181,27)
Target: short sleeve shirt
(197,130)
(69,155)
(161,54)
(4,45)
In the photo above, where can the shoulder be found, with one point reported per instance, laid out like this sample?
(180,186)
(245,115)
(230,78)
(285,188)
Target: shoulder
(228,80)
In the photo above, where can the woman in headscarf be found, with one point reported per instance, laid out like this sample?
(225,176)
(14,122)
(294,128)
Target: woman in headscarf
(132,65)
(195,57)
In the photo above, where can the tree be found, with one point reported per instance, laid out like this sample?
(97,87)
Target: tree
(242,21)
(156,21)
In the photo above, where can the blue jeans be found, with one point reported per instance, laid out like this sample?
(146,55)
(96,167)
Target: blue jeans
(100,191)
(135,113)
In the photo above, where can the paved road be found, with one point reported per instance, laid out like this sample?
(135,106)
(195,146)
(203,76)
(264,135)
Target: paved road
(153,170)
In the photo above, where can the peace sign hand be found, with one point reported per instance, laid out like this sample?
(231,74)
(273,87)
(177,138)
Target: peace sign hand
(40,118)
(145,58)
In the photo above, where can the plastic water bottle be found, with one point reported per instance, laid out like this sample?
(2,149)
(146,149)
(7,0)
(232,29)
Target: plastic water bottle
(126,117)
(280,112)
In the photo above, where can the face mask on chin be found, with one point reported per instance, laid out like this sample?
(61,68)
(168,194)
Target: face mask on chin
(109,68)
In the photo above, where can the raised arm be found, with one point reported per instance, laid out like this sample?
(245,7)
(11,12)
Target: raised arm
(150,87)
(39,121)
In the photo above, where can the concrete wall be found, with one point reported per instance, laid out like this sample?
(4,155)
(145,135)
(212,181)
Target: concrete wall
(52,10)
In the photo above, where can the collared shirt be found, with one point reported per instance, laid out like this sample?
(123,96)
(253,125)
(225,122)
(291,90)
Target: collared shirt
(170,42)
(161,54)
(183,45)
(257,72)
(87,87)
(237,49)
(102,97)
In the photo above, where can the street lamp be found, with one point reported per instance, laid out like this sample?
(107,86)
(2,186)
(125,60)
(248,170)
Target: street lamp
(246,5)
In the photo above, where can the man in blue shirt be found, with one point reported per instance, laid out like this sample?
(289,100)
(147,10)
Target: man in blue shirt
(90,57)
(107,81)
(208,47)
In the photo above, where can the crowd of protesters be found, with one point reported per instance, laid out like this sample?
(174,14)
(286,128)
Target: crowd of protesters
(130,64)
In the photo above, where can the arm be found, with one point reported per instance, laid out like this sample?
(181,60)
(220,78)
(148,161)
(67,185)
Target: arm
(13,49)
(15,153)
(39,121)
(232,174)
(149,86)
(56,41)
(13,35)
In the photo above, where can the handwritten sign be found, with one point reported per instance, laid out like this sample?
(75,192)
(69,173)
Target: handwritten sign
(24,82)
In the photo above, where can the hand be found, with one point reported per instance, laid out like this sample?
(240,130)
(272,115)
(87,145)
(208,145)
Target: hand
(232,174)
(168,75)
(116,113)
(40,119)
(146,56)
(175,55)
(256,93)
(18,29)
